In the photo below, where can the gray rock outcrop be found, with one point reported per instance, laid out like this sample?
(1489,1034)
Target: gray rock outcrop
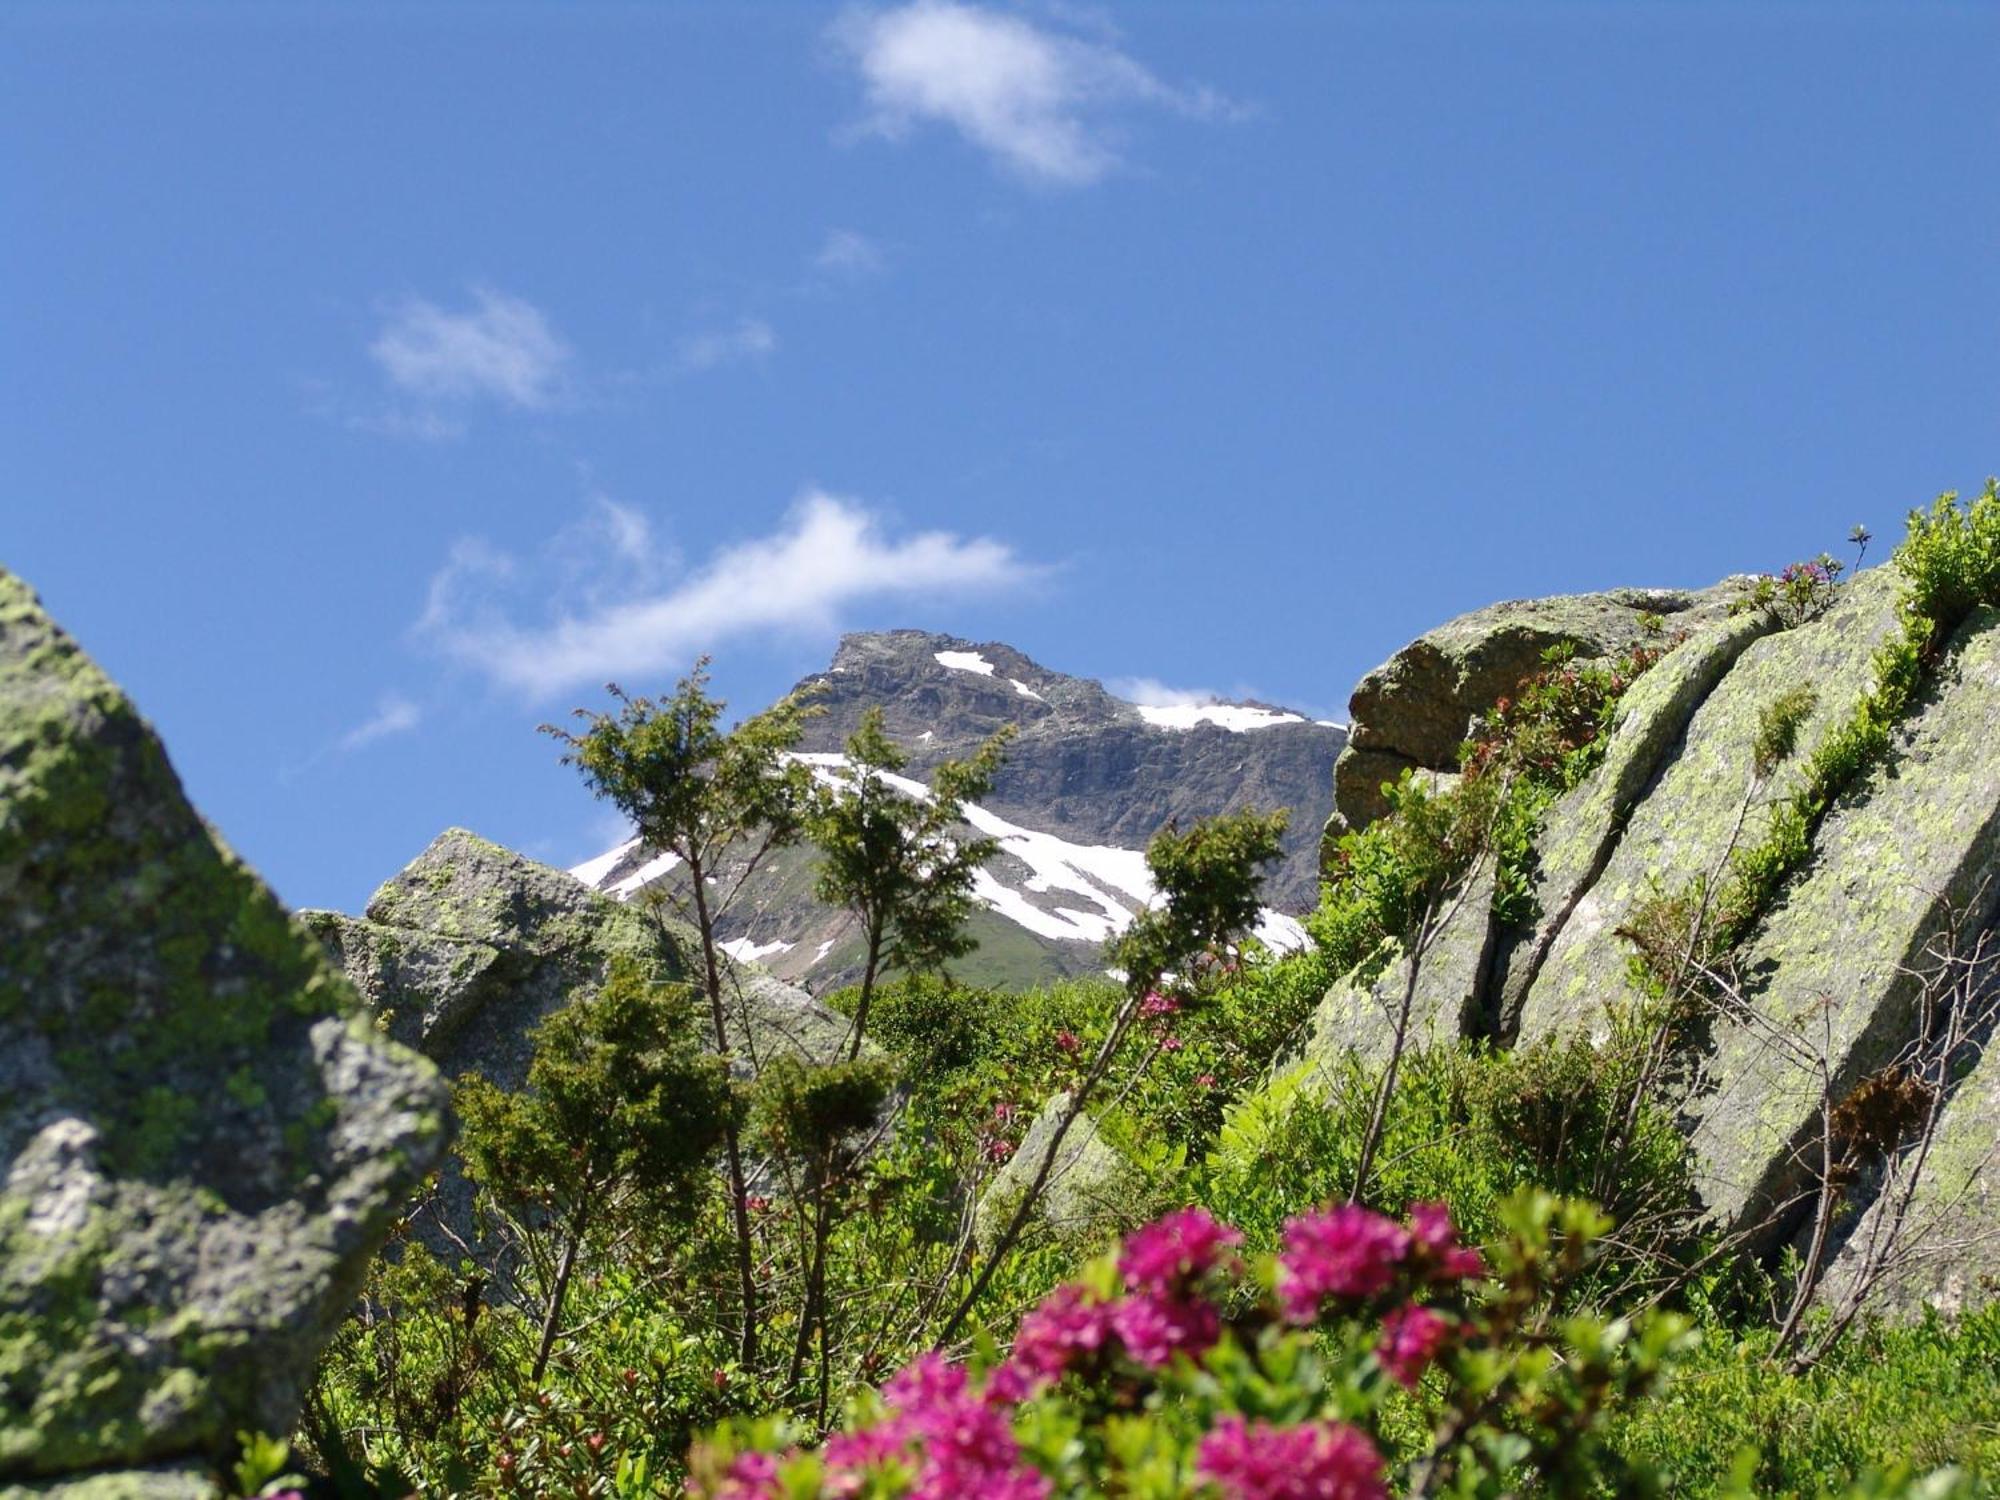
(202,1138)
(462,952)
(1826,982)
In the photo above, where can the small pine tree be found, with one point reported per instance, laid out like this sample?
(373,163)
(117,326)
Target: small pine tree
(894,859)
(620,1118)
(710,796)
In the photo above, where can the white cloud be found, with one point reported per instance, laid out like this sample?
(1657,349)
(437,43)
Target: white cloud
(750,339)
(830,553)
(502,348)
(393,715)
(1035,100)
(1149,692)
(848,252)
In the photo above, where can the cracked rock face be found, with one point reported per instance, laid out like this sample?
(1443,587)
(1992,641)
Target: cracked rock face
(202,1138)
(1413,711)
(1826,983)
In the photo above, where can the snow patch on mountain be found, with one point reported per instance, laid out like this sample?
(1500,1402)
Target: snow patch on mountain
(964,661)
(743,950)
(1238,717)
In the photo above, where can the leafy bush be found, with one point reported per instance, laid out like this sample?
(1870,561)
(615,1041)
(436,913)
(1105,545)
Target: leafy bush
(1468,1126)
(1951,558)
(1366,1354)
(1920,1396)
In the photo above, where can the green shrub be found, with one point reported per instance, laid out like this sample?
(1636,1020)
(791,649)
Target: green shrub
(1951,558)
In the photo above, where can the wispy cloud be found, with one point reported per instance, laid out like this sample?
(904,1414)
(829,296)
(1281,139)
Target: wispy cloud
(829,554)
(848,252)
(395,714)
(751,339)
(1041,103)
(500,348)
(1150,692)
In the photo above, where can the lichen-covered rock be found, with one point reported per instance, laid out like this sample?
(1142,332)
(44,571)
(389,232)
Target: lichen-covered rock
(202,1140)
(1412,712)
(1359,1016)
(469,946)
(1580,832)
(161,1482)
(1834,970)
(1683,826)
(1090,1191)
(1948,1253)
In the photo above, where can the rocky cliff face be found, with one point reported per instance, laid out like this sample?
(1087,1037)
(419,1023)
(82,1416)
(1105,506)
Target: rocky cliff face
(202,1137)
(1836,981)
(1088,780)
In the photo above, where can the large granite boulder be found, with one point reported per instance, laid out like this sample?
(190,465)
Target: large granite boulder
(1835,970)
(202,1138)
(462,952)
(1092,1190)
(1413,711)
(1695,807)
(1828,983)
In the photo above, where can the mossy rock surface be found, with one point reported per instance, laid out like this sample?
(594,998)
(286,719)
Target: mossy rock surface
(1358,1014)
(1683,825)
(1834,968)
(468,947)
(1091,1192)
(1581,831)
(1413,710)
(201,1137)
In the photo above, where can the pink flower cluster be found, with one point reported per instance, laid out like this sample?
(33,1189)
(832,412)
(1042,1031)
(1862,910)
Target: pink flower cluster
(1163,1313)
(952,1438)
(1310,1461)
(1157,1004)
(947,1434)
(1353,1254)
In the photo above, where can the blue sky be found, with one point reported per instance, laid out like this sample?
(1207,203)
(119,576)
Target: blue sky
(375,380)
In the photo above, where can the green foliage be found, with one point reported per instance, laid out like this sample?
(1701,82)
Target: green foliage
(1951,558)
(687,785)
(1386,876)
(1467,1126)
(1778,726)
(898,863)
(1912,1398)
(1209,881)
(1803,592)
(620,1103)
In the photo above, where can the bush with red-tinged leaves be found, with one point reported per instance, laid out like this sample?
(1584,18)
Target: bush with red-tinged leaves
(1175,1368)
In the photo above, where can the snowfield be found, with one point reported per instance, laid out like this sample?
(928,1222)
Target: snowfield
(1238,717)
(1089,892)
(964,661)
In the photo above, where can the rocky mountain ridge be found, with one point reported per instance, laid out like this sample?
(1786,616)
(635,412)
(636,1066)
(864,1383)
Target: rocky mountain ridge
(1088,779)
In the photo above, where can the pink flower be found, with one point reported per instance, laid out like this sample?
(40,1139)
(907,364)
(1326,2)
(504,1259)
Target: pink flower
(963,1444)
(999,1149)
(1312,1461)
(1174,1250)
(1007,1385)
(753,1476)
(1068,1041)
(1411,1338)
(1347,1252)
(1205,1080)
(1061,1333)
(1156,1004)
(1153,1329)
(1435,1244)
(865,1447)
(1170,1044)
